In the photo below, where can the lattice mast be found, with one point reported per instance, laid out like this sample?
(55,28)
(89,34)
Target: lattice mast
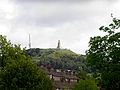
(29,41)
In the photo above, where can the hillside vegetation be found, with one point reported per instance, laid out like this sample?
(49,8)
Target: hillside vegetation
(58,58)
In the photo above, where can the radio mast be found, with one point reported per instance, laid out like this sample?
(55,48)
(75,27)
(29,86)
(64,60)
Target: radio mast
(29,41)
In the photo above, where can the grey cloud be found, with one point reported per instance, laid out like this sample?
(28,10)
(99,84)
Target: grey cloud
(52,15)
(72,23)
(67,1)
(47,21)
(52,0)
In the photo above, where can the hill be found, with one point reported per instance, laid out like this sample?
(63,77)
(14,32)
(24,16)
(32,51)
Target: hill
(58,58)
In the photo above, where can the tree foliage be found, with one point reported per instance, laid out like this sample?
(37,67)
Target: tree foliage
(24,75)
(17,71)
(9,51)
(88,83)
(104,55)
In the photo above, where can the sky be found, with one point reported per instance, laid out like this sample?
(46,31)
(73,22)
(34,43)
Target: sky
(72,22)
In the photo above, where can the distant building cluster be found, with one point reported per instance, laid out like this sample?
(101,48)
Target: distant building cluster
(62,79)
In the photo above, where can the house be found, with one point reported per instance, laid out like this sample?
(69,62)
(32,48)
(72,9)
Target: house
(62,79)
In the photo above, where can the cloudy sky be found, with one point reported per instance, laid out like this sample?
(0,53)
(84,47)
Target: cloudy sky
(47,21)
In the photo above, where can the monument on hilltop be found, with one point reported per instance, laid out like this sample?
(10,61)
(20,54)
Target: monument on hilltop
(58,46)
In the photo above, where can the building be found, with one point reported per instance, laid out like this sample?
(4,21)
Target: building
(62,79)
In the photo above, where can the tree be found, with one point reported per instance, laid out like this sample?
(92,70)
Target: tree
(9,51)
(18,71)
(88,83)
(104,55)
(23,75)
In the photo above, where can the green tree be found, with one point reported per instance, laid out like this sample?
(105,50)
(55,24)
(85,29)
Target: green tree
(9,51)
(23,75)
(104,55)
(86,84)
(18,71)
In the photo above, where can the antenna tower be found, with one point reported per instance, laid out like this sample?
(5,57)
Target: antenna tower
(29,41)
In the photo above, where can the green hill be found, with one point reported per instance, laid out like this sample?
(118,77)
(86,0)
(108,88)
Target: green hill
(58,58)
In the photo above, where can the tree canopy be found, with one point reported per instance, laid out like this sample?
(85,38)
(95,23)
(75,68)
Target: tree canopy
(104,55)
(24,75)
(9,51)
(86,83)
(17,71)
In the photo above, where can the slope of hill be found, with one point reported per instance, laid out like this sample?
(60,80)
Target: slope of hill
(58,58)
